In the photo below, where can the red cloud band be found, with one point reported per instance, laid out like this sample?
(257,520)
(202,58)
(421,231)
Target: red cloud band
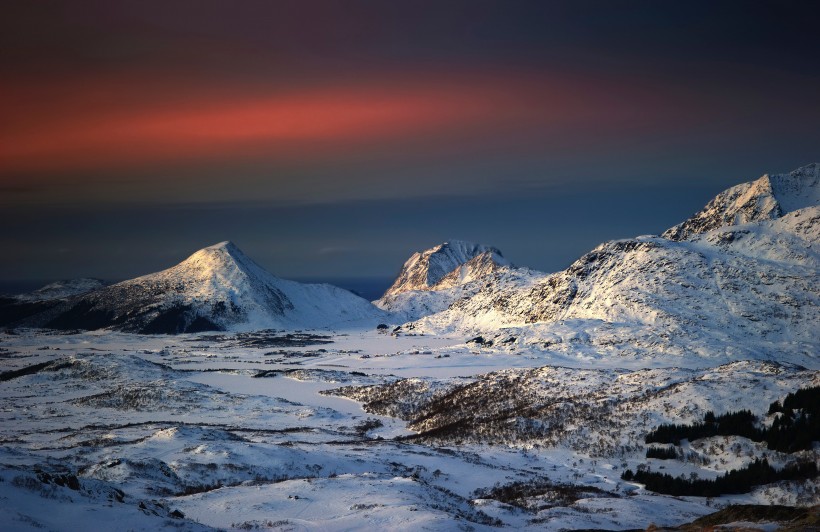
(103,136)
(122,124)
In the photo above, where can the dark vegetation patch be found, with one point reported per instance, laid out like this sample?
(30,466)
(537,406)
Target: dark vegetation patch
(367,425)
(741,423)
(473,412)
(178,319)
(662,453)
(402,399)
(798,426)
(266,524)
(84,314)
(69,481)
(266,338)
(758,473)
(312,374)
(89,314)
(35,368)
(156,395)
(539,494)
(13,310)
(480,341)
(795,428)
(267,374)
(283,354)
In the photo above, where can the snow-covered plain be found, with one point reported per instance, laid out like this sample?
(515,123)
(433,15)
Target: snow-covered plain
(232,431)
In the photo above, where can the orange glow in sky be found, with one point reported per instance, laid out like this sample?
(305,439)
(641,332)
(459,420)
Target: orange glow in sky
(110,124)
(94,136)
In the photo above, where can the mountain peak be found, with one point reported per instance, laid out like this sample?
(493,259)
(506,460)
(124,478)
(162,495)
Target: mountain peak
(216,288)
(227,245)
(424,270)
(222,248)
(767,198)
(220,259)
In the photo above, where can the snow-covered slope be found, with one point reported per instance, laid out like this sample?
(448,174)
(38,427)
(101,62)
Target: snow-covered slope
(62,289)
(431,280)
(216,288)
(741,280)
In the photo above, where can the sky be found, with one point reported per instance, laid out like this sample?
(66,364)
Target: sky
(333,139)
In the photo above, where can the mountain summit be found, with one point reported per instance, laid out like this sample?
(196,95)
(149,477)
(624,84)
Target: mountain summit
(766,198)
(445,265)
(433,279)
(216,288)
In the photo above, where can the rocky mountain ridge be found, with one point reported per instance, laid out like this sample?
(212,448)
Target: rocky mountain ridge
(432,280)
(747,268)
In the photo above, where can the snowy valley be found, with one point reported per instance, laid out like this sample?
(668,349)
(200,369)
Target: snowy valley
(475,394)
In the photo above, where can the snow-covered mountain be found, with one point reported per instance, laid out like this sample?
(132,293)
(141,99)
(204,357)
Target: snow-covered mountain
(767,198)
(431,280)
(443,266)
(216,288)
(62,289)
(747,266)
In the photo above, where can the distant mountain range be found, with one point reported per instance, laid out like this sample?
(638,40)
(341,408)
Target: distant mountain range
(747,266)
(62,289)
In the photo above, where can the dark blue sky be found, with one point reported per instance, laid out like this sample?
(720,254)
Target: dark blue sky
(332,139)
